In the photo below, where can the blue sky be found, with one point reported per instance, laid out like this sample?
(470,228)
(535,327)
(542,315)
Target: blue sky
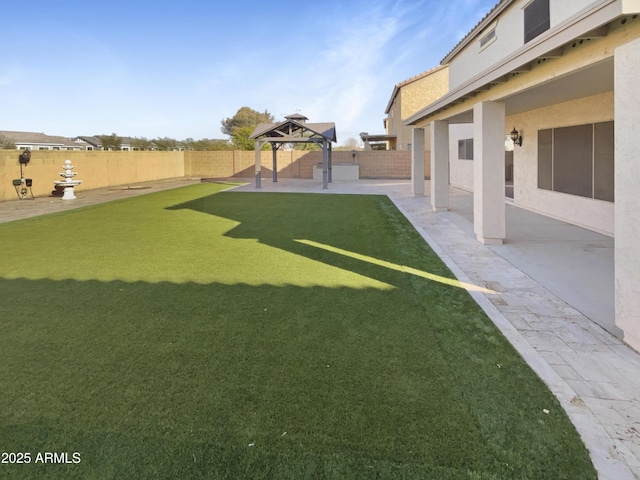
(176,69)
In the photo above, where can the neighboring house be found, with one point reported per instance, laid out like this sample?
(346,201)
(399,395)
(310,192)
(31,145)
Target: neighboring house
(408,97)
(39,141)
(95,143)
(563,76)
(89,142)
(125,144)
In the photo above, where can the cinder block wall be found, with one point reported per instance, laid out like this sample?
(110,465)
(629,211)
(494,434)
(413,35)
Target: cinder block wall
(98,169)
(295,164)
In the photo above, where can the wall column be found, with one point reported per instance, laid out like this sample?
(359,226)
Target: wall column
(417,161)
(627,201)
(440,165)
(489,222)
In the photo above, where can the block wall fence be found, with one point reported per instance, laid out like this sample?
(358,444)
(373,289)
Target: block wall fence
(99,169)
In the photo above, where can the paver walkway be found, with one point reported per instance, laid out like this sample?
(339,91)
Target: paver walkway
(595,376)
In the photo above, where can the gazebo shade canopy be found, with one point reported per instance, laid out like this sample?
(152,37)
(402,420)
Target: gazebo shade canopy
(294,129)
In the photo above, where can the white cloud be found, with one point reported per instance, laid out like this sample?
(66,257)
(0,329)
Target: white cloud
(336,80)
(333,61)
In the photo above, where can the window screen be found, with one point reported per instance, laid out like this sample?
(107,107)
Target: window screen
(536,19)
(578,160)
(465,149)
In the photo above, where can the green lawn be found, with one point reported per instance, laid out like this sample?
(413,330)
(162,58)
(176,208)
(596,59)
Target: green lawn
(196,334)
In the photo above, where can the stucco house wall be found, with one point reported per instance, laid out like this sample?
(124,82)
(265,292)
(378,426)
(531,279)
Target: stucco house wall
(460,170)
(597,215)
(582,72)
(509,36)
(593,214)
(415,95)
(409,97)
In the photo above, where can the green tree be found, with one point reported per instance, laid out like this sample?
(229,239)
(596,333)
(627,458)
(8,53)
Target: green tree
(6,144)
(349,144)
(206,144)
(245,117)
(166,143)
(240,138)
(110,142)
(141,143)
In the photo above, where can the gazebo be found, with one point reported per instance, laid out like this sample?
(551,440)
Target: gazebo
(294,129)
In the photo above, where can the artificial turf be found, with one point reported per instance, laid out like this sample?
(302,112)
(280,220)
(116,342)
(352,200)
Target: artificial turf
(195,333)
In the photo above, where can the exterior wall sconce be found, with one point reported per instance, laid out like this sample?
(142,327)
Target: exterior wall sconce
(353,156)
(515,137)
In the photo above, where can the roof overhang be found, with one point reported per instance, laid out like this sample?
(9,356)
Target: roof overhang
(377,138)
(591,22)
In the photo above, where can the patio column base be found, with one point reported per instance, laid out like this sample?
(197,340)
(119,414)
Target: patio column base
(633,342)
(490,241)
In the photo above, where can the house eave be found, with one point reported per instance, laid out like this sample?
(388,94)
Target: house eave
(470,37)
(547,45)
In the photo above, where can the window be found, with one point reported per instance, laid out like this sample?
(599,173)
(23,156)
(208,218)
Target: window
(465,149)
(577,160)
(488,37)
(536,19)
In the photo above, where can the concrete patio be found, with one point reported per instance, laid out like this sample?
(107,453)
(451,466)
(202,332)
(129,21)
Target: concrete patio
(552,298)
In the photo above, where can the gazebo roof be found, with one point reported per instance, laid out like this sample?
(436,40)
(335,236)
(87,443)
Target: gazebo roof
(298,117)
(295,130)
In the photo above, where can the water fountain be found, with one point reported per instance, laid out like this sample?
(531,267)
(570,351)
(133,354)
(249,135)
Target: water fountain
(68,183)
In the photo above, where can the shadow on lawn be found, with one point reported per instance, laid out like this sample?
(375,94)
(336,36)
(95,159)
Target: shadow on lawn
(230,381)
(362,234)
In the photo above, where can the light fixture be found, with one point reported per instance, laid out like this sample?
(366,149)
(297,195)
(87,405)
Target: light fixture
(515,137)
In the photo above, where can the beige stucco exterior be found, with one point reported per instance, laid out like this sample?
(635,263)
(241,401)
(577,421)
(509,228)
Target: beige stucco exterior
(593,214)
(581,71)
(409,97)
(590,213)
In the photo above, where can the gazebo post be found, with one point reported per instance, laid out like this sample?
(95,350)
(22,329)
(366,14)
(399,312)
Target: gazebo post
(274,153)
(330,163)
(325,164)
(258,166)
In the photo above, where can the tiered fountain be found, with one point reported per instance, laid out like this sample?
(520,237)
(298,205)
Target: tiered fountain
(68,183)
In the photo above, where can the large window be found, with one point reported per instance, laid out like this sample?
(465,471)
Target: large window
(536,19)
(577,160)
